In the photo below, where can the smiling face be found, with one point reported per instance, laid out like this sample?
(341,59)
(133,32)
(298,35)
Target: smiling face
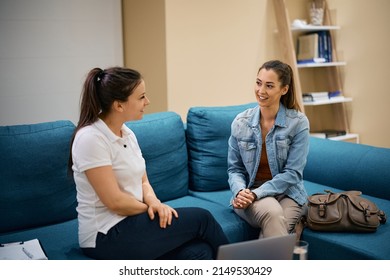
(136,103)
(268,89)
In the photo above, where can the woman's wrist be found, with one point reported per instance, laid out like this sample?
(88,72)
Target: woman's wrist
(254,196)
(151,201)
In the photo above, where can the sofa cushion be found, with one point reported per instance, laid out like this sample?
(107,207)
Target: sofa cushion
(235,228)
(221,197)
(35,188)
(208,131)
(162,141)
(59,241)
(349,166)
(345,245)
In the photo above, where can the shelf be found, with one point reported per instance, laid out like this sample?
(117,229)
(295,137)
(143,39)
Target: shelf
(309,27)
(349,137)
(316,77)
(322,64)
(333,100)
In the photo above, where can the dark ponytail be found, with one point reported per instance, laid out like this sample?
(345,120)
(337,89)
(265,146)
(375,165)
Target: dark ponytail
(101,88)
(90,104)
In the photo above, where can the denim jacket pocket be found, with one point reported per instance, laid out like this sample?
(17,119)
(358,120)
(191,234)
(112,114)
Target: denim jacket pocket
(282,147)
(247,151)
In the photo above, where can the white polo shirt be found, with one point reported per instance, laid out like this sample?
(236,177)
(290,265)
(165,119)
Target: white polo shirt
(94,146)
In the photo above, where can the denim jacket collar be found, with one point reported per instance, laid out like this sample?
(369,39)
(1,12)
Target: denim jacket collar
(279,121)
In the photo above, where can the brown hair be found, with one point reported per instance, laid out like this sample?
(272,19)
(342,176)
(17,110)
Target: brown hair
(101,88)
(286,78)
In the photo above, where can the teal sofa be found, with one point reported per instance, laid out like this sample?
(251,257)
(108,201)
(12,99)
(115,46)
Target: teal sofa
(186,164)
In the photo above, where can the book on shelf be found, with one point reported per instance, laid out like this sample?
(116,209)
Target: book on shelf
(320,96)
(325,45)
(22,250)
(315,96)
(336,93)
(328,133)
(307,47)
(312,60)
(314,47)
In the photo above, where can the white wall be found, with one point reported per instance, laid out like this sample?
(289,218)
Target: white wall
(46,49)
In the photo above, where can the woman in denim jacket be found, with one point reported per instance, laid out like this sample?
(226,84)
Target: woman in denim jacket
(268,148)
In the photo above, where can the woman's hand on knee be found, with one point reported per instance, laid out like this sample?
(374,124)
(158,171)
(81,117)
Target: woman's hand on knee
(164,212)
(243,199)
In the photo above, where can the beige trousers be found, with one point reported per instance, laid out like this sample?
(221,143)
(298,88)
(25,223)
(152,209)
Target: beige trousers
(274,215)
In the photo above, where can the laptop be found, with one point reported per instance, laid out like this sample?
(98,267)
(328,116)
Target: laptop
(271,248)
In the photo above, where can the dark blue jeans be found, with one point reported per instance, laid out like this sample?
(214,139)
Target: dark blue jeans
(194,235)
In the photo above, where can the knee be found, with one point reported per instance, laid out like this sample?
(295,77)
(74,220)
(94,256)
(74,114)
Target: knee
(274,213)
(196,250)
(196,215)
(201,213)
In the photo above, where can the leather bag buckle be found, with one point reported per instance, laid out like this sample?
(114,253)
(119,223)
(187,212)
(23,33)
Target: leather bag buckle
(322,210)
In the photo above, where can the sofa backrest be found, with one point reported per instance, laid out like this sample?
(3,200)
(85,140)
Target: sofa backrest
(349,166)
(161,138)
(208,131)
(35,188)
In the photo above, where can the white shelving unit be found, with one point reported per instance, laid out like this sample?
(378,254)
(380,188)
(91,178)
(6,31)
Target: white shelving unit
(349,137)
(328,114)
(322,64)
(309,27)
(333,100)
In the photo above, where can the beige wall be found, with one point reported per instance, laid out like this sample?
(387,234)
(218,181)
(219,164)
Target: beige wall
(364,39)
(145,47)
(212,50)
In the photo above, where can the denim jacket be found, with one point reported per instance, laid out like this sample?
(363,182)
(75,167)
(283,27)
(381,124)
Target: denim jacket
(287,145)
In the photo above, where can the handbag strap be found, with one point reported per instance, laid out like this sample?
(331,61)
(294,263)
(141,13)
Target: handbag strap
(357,193)
(300,226)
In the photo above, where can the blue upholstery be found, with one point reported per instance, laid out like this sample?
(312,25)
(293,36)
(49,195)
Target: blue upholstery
(234,227)
(60,241)
(186,165)
(348,166)
(221,197)
(162,141)
(208,131)
(35,187)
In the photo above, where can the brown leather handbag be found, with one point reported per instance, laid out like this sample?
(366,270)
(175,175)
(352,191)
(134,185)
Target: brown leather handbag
(345,211)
